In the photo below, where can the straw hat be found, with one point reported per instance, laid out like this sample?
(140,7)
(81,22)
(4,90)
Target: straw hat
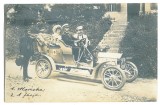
(65,25)
(79,28)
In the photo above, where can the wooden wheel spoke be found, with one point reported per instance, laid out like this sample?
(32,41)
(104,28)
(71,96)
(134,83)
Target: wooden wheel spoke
(112,83)
(107,74)
(129,69)
(116,73)
(40,71)
(110,72)
(116,83)
(117,79)
(107,79)
(113,71)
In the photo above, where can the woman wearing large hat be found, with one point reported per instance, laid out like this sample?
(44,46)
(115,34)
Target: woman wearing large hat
(56,36)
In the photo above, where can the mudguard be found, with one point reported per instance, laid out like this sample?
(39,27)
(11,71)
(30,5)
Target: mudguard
(97,70)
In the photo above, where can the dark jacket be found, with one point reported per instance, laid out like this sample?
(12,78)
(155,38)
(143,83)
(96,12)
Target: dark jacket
(26,46)
(67,39)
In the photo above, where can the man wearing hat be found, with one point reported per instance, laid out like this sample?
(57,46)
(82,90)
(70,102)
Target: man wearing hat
(80,35)
(26,50)
(67,35)
(82,41)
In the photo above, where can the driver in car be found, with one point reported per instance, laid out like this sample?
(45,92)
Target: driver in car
(79,36)
(81,40)
(67,35)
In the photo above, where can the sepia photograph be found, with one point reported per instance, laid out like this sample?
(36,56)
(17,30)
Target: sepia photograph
(97,52)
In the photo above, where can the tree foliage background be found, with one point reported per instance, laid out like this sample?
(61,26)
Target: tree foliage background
(20,17)
(140,43)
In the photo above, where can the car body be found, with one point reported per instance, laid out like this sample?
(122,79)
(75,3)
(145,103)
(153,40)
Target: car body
(109,67)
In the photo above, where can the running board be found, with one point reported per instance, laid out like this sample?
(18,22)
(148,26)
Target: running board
(78,66)
(82,73)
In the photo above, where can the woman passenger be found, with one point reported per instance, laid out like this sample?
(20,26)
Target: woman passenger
(56,36)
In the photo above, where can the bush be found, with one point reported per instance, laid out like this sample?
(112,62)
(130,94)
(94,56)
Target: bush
(140,42)
(12,40)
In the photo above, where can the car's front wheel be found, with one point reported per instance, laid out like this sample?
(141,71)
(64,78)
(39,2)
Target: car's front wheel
(113,78)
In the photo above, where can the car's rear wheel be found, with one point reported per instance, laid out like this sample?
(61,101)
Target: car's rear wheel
(43,68)
(113,78)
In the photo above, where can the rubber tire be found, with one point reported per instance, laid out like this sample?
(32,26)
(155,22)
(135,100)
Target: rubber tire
(114,88)
(50,68)
(136,72)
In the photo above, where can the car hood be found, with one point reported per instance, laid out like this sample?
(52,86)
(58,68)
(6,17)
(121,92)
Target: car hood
(109,55)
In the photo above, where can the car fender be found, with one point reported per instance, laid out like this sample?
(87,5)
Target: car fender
(97,70)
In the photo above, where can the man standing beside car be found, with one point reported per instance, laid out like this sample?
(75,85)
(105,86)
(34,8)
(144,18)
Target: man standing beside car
(26,50)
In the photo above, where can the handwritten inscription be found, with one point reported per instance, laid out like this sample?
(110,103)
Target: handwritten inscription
(24,92)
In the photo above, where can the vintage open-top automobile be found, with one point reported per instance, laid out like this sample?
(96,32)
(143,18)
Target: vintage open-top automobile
(109,67)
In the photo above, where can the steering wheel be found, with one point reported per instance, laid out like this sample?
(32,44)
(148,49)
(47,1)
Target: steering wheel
(81,42)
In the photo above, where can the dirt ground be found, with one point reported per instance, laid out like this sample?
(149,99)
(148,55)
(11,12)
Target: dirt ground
(65,88)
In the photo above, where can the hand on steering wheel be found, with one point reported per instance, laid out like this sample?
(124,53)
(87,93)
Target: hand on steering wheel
(82,40)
